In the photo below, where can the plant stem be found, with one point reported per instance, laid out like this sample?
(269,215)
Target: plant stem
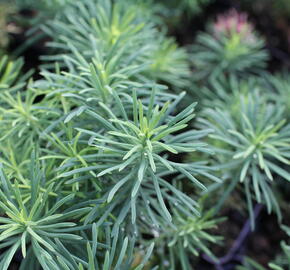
(237,243)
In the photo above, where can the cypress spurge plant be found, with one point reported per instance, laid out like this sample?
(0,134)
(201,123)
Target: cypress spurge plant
(21,116)
(53,88)
(280,85)
(169,63)
(111,25)
(47,232)
(33,224)
(66,151)
(10,74)
(232,46)
(226,90)
(133,155)
(255,143)
(122,42)
(90,80)
(119,253)
(186,239)
(111,138)
(15,157)
(99,250)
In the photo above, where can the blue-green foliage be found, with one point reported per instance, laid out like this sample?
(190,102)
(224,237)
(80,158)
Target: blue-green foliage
(103,160)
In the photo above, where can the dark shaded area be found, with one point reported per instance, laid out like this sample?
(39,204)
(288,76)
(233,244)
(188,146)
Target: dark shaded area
(20,46)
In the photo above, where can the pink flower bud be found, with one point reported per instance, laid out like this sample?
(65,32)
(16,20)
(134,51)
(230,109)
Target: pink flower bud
(232,23)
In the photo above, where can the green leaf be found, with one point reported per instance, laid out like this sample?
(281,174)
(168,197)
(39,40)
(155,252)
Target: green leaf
(160,198)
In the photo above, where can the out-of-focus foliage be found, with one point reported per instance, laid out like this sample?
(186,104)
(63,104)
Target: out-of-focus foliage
(253,143)
(6,9)
(231,47)
(185,239)
(280,86)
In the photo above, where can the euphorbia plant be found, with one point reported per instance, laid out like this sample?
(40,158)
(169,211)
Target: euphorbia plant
(232,46)
(254,146)
(103,164)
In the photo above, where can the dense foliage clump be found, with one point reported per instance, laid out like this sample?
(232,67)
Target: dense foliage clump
(104,162)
